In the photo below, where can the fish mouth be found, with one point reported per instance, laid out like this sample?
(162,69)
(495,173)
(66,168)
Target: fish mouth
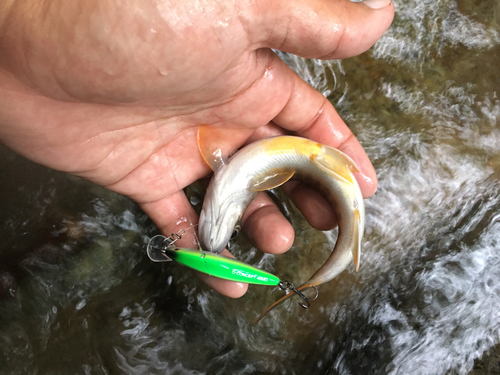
(217,246)
(209,232)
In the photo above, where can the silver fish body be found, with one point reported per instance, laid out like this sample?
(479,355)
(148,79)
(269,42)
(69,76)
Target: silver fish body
(270,162)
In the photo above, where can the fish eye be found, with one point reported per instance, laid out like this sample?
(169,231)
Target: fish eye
(235,232)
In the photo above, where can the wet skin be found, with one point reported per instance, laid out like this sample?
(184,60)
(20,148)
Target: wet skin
(115,94)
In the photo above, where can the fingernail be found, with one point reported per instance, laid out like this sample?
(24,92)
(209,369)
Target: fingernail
(366,184)
(374,4)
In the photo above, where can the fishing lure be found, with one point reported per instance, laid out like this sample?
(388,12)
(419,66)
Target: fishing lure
(163,249)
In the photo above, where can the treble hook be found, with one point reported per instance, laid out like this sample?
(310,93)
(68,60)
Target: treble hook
(305,304)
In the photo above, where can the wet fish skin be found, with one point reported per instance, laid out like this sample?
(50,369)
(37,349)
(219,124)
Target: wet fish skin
(269,163)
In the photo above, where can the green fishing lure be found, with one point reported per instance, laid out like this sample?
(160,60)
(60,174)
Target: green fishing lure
(163,249)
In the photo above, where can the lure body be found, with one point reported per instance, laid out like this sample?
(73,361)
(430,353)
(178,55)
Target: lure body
(222,267)
(269,163)
(162,249)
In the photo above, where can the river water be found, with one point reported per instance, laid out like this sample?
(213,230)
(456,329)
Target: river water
(79,296)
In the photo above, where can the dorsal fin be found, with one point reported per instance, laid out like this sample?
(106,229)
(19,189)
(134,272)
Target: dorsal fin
(337,163)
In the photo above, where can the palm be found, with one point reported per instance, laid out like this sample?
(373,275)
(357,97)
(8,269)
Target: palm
(121,104)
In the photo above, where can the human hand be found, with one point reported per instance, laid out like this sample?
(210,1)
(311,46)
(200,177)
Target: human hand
(115,93)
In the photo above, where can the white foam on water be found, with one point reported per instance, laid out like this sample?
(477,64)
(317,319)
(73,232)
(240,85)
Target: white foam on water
(431,25)
(462,290)
(150,348)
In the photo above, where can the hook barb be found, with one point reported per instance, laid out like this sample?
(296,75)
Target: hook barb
(289,287)
(304,303)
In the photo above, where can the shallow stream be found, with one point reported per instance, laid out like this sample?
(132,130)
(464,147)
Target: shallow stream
(79,296)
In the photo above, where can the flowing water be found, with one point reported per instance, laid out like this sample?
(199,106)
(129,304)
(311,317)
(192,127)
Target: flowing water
(79,296)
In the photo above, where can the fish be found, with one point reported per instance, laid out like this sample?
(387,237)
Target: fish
(267,164)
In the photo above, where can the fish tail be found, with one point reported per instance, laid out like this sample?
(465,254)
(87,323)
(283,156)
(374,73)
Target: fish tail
(282,299)
(357,237)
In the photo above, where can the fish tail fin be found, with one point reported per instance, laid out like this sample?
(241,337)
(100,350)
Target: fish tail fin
(283,299)
(356,246)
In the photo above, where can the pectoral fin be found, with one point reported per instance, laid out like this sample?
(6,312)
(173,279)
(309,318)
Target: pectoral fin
(210,147)
(270,181)
(217,143)
(337,163)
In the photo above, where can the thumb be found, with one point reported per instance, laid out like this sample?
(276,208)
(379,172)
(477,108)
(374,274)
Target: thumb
(326,29)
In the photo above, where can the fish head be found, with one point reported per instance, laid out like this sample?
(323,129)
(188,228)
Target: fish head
(222,210)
